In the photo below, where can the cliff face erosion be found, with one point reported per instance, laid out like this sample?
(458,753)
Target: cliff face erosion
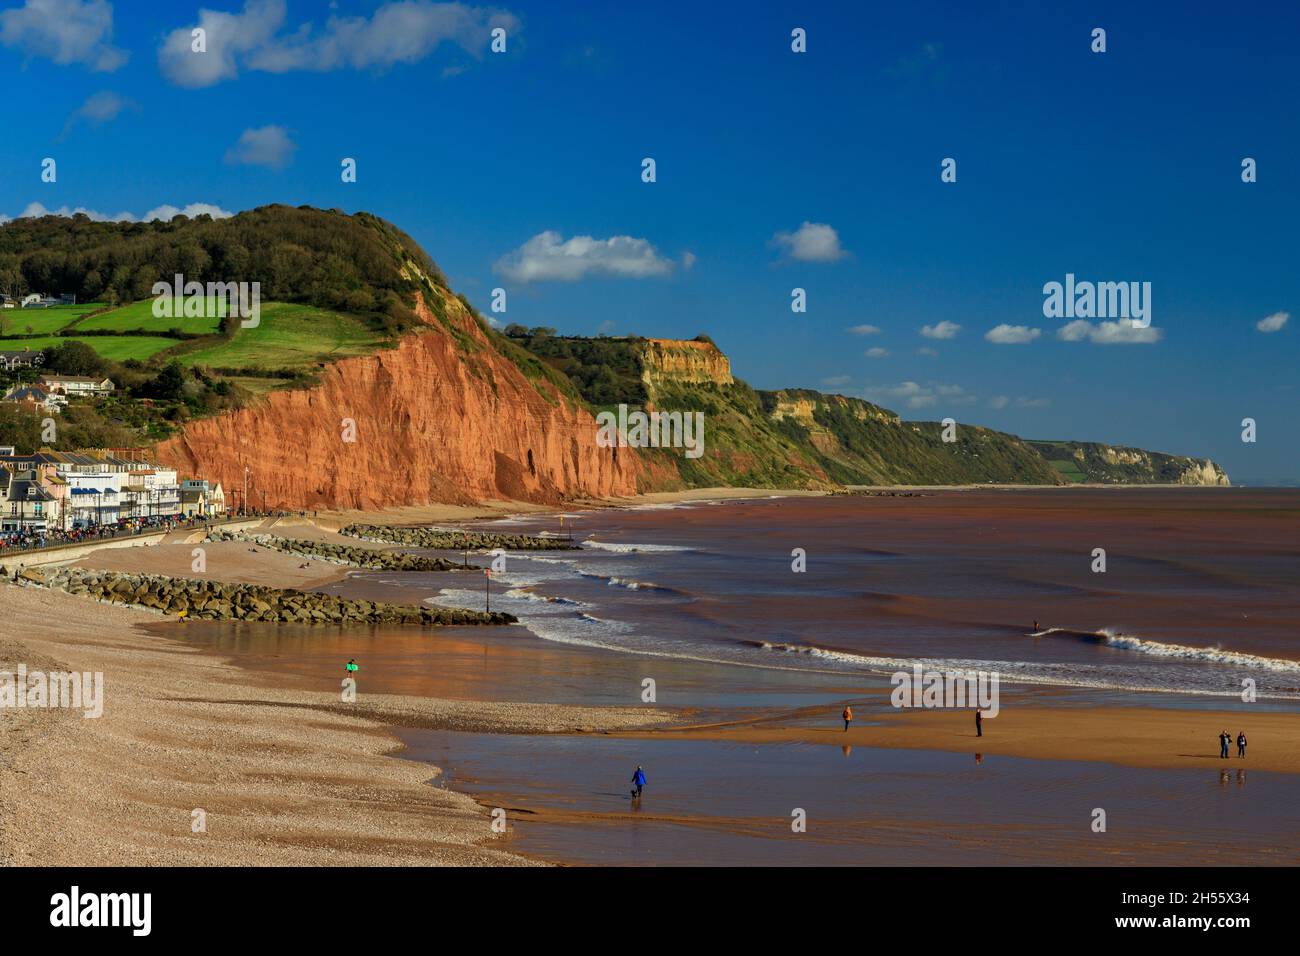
(442,417)
(368,383)
(1114,464)
(453,414)
(455,411)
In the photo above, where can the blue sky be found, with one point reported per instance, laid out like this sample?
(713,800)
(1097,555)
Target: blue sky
(1115,166)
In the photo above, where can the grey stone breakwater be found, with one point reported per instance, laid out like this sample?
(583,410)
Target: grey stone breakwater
(341,554)
(449,539)
(222,601)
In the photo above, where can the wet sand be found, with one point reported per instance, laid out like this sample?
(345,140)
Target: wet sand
(447,513)
(1126,736)
(286,774)
(289,774)
(736,804)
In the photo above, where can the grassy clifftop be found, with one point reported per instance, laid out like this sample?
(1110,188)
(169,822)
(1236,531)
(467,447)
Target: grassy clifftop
(335,286)
(1096,463)
(803,438)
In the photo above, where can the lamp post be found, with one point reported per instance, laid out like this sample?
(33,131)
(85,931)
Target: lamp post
(245,491)
(487,590)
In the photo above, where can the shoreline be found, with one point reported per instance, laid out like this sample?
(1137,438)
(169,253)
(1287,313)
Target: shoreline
(291,775)
(1174,739)
(284,774)
(486,511)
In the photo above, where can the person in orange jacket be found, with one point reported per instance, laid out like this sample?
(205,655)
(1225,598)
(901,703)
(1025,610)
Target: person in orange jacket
(847,715)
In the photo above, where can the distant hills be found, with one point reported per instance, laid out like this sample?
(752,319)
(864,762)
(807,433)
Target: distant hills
(802,437)
(358,315)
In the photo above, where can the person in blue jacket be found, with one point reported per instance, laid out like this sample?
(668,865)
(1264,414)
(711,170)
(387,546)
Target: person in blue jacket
(638,778)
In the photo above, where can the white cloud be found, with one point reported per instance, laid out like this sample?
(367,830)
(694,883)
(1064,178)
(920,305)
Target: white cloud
(811,242)
(100,108)
(1108,333)
(405,31)
(916,395)
(688,260)
(940,330)
(165,212)
(65,31)
(549,256)
(1274,322)
(927,352)
(1012,334)
(837,381)
(876,352)
(268,146)
(863,330)
(1002,401)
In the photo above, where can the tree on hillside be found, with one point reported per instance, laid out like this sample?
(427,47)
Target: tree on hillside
(75,358)
(169,384)
(20,428)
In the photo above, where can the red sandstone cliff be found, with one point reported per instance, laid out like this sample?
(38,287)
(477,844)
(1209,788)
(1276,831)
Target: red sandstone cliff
(434,421)
(682,361)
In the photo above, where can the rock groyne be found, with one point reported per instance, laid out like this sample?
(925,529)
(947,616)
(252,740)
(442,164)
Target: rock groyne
(223,601)
(449,539)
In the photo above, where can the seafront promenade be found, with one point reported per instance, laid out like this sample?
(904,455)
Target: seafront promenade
(58,552)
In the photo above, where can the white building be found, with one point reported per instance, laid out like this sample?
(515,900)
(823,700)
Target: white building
(76,386)
(150,492)
(94,498)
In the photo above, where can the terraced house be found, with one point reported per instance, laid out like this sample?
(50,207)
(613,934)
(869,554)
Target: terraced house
(25,505)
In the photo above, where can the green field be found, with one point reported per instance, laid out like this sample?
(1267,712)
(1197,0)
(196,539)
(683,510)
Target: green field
(139,315)
(1069,468)
(290,336)
(42,321)
(117,348)
(287,337)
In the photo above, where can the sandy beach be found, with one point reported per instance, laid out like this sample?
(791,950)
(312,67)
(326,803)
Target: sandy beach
(1169,739)
(434,513)
(286,773)
(286,776)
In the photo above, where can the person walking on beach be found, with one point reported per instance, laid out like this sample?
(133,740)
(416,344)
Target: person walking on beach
(1224,740)
(847,715)
(979,723)
(1241,744)
(638,778)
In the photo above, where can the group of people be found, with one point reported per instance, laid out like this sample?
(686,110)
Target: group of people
(31,538)
(1225,740)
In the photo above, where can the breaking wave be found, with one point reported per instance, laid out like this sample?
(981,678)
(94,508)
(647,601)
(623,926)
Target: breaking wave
(631,548)
(1214,655)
